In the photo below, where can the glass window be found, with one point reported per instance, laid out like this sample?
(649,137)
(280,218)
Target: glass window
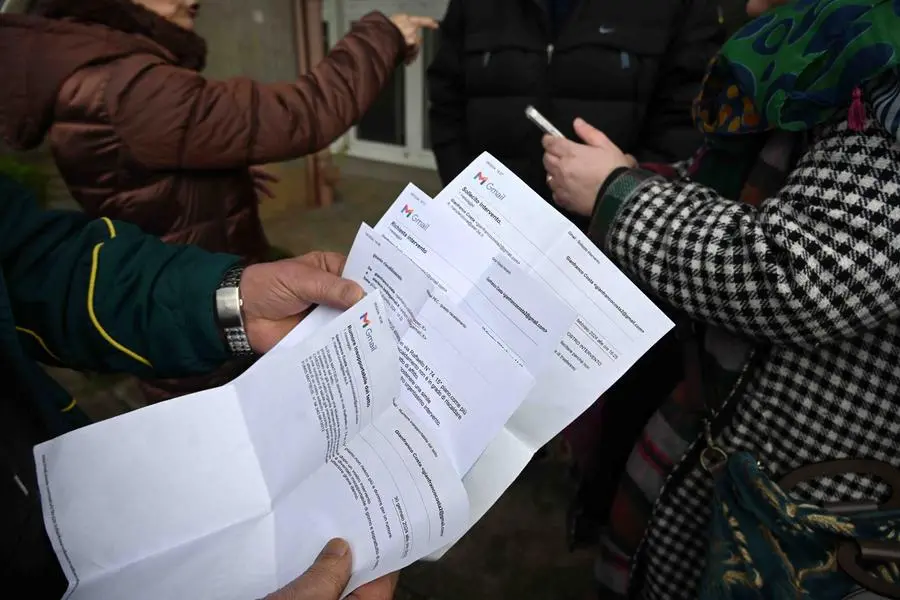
(385,122)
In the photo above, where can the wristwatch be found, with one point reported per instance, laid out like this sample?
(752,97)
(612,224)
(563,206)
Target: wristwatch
(230,313)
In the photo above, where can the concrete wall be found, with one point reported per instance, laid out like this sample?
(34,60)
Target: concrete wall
(256,39)
(250,38)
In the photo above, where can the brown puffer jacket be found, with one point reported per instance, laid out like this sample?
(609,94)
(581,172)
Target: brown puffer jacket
(139,135)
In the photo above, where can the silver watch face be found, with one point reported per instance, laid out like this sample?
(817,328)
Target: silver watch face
(228,308)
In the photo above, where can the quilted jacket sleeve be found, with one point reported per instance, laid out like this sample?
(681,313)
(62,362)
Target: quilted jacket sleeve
(102,295)
(174,118)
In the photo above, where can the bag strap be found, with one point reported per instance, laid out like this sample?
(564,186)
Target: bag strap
(857,557)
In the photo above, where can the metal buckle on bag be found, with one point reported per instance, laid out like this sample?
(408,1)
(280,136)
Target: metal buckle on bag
(712,458)
(857,557)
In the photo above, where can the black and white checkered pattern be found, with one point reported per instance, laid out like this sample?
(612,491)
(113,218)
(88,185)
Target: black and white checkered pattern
(814,271)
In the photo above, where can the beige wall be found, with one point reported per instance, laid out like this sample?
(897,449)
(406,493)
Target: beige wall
(250,38)
(256,39)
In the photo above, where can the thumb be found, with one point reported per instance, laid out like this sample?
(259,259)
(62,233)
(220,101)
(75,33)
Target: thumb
(322,287)
(590,135)
(325,579)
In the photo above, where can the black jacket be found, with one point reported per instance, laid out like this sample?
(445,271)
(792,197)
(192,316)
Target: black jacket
(92,295)
(630,69)
(27,561)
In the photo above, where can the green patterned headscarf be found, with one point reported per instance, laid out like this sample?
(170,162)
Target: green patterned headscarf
(791,69)
(794,67)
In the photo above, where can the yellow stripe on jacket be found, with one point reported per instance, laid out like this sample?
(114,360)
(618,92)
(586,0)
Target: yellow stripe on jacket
(40,341)
(95,264)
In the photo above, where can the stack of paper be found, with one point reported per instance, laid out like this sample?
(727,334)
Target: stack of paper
(490,324)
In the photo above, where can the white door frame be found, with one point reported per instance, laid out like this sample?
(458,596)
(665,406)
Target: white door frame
(413,154)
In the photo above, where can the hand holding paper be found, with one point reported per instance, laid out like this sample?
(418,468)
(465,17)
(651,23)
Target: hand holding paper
(276,295)
(250,480)
(489,325)
(329,575)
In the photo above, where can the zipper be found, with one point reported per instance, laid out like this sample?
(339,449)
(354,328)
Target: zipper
(713,424)
(545,100)
(20,485)
(12,471)
(635,87)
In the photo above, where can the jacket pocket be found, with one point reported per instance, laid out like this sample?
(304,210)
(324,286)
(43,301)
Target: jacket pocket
(498,63)
(619,61)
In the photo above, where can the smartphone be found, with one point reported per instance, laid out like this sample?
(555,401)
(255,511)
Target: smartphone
(538,119)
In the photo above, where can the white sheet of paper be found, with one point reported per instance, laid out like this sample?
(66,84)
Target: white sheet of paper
(226,494)
(455,374)
(485,212)
(395,425)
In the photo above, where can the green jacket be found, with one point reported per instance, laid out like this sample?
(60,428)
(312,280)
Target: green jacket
(99,295)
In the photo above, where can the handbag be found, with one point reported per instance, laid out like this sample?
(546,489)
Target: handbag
(765,545)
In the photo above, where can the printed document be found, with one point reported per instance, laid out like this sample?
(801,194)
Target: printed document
(232,492)
(485,213)
(455,373)
(490,324)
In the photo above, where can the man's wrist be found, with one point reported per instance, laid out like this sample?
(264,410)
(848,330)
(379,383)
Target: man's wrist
(230,313)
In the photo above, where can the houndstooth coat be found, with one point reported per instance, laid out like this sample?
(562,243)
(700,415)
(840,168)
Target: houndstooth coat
(813,274)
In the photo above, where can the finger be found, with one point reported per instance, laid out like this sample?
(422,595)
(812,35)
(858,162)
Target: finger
(591,135)
(552,164)
(318,286)
(413,40)
(393,579)
(267,176)
(561,200)
(264,189)
(380,589)
(555,186)
(425,22)
(325,579)
(558,146)
(333,262)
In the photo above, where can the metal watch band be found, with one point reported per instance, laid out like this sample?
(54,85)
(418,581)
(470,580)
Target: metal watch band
(230,314)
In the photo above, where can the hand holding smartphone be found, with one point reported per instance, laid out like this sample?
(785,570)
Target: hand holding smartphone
(538,119)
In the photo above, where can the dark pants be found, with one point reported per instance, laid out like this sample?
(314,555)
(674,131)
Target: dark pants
(27,562)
